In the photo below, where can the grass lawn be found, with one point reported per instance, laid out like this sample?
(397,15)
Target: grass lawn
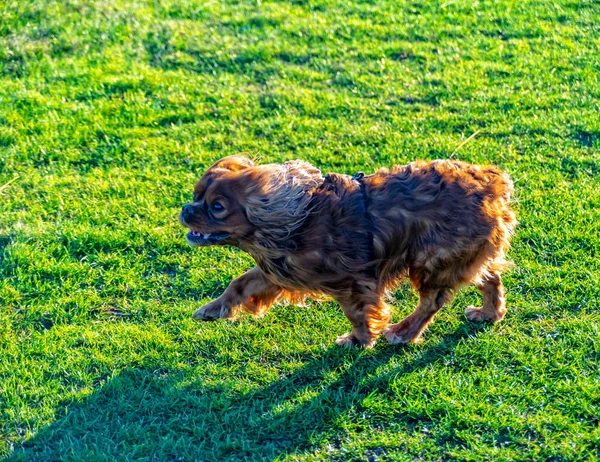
(109,111)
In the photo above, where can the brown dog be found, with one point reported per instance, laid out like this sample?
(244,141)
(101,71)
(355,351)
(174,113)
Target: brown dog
(443,224)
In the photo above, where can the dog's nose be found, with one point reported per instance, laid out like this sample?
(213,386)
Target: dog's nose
(187,211)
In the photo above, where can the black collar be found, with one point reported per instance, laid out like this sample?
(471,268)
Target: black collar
(360,176)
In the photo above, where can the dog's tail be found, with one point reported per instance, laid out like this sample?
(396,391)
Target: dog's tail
(501,189)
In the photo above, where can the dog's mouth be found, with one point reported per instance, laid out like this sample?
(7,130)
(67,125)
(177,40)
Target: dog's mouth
(197,238)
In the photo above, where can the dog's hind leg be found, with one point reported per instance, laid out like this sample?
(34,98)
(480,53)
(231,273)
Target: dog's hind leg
(409,329)
(367,313)
(252,291)
(493,308)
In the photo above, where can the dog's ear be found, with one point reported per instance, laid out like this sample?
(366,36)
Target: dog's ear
(281,204)
(233,164)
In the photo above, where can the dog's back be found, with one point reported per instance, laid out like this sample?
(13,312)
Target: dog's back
(443,217)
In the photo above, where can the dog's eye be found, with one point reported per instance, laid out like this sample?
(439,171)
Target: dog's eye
(217,207)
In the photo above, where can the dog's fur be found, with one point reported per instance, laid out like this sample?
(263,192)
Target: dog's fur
(442,224)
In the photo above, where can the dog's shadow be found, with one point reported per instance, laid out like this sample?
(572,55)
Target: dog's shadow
(164,415)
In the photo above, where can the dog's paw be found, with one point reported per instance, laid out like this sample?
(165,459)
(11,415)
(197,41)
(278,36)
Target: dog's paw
(350,341)
(211,311)
(478,315)
(399,333)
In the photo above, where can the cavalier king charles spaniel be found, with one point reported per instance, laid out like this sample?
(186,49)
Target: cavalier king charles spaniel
(441,224)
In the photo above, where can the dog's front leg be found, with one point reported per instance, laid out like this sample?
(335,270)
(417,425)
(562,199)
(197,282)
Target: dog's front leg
(242,291)
(367,313)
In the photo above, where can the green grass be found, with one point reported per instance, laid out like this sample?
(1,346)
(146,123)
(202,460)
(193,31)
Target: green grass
(109,111)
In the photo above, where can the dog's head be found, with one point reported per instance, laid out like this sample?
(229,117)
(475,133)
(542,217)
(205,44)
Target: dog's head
(237,202)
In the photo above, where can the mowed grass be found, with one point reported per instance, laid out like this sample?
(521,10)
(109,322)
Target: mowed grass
(110,110)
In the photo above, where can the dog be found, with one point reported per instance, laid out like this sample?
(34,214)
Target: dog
(441,224)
